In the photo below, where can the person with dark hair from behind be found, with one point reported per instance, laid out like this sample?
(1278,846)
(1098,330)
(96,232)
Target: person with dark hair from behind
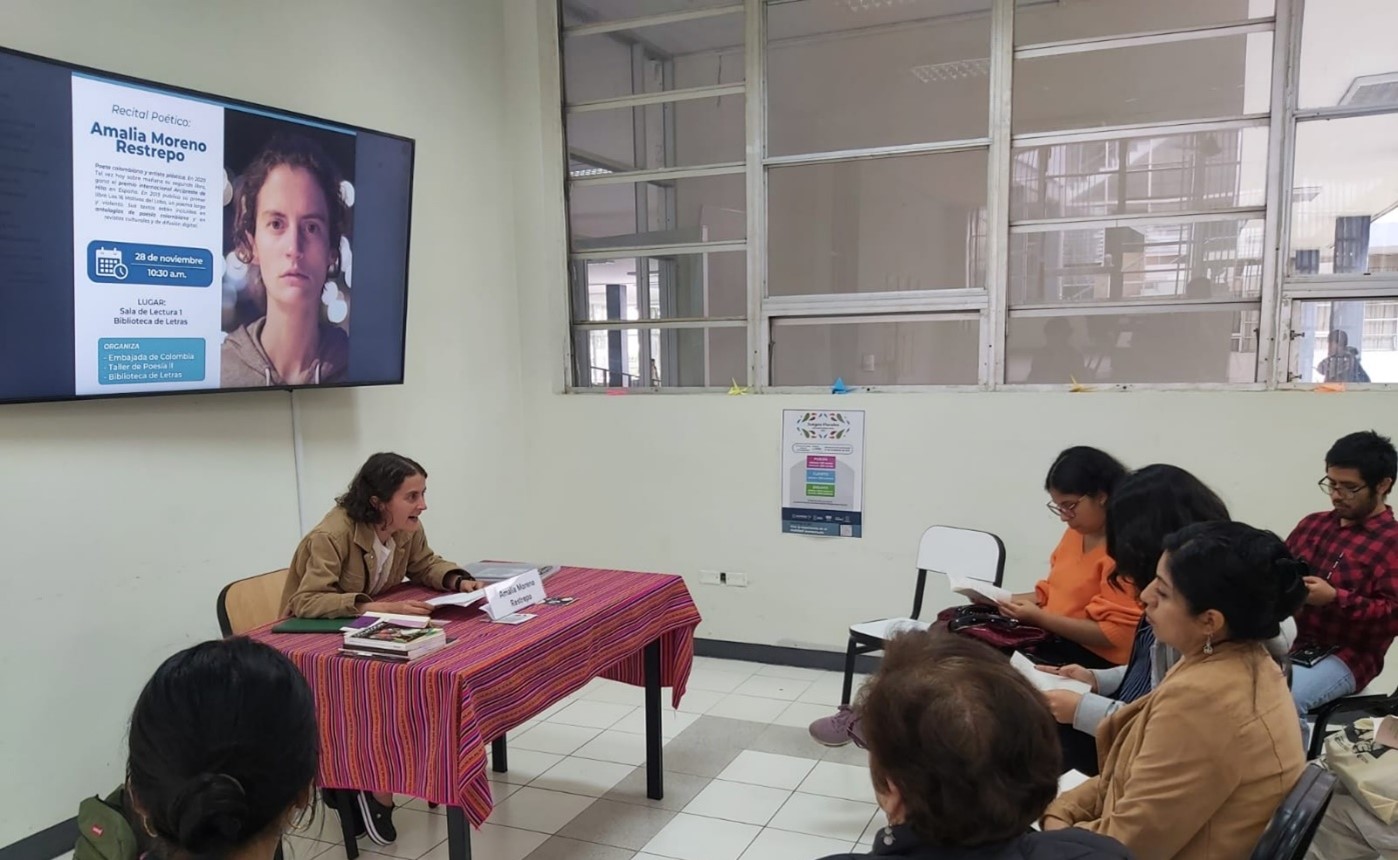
(288,218)
(962,756)
(1351,611)
(1341,364)
(1147,506)
(1090,615)
(223,752)
(368,542)
(1197,769)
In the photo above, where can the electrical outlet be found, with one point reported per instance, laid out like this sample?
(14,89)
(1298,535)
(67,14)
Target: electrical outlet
(724,578)
(737,580)
(710,577)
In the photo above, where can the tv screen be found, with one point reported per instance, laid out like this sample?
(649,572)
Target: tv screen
(157,240)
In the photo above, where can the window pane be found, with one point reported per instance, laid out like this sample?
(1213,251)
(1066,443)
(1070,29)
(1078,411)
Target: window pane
(680,285)
(1343,217)
(1185,346)
(890,74)
(1200,79)
(653,59)
(1345,341)
(920,352)
(1038,21)
(1347,55)
(1209,260)
(912,223)
(615,10)
(1170,173)
(677,134)
(673,212)
(668,358)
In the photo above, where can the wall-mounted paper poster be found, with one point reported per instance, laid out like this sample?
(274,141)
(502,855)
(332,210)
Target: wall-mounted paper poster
(823,472)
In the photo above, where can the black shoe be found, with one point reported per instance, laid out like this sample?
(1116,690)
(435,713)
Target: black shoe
(378,819)
(330,796)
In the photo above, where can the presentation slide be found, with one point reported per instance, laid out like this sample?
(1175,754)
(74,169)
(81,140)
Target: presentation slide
(161,241)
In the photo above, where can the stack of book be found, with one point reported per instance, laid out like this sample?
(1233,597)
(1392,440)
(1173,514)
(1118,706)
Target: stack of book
(385,640)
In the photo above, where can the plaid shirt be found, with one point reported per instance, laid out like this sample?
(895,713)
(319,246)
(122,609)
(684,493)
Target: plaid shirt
(1361,562)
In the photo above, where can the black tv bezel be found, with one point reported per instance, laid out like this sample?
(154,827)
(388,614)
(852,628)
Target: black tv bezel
(264,109)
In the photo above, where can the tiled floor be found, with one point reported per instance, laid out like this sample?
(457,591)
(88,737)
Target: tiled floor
(743,780)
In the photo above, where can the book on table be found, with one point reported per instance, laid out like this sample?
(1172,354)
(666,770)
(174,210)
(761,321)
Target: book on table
(390,640)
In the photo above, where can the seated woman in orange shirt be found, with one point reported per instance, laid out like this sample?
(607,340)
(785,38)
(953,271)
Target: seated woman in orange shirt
(1093,620)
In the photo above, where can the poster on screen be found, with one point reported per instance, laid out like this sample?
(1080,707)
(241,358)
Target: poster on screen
(823,472)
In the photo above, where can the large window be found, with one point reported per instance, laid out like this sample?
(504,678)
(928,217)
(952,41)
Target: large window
(782,193)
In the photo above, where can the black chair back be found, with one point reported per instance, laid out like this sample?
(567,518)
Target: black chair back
(1292,828)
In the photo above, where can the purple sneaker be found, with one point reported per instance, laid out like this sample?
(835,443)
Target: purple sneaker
(838,729)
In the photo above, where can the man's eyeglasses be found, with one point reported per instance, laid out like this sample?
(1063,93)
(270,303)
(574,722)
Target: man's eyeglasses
(1330,488)
(1066,511)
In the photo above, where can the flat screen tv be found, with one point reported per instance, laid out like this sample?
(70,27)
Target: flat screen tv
(157,240)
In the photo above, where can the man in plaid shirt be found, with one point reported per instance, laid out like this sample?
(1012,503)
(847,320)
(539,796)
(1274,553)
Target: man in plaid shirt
(1353,554)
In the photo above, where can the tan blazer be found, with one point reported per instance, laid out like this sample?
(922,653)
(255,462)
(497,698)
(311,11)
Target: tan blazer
(1196,769)
(329,575)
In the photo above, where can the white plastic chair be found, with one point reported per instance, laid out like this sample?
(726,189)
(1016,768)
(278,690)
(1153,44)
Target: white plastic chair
(943,549)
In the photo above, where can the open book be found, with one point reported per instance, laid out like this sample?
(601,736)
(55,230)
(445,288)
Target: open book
(978,590)
(1044,680)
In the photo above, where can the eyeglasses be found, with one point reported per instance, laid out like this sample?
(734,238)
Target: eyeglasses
(1066,511)
(1330,488)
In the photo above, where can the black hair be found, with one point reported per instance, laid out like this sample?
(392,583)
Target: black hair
(1244,573)
(1147,506)
(1369,453)
(223,745)
(1084,471)
(379,478)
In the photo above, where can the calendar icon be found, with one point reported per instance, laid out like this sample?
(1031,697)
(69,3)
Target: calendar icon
(110,263)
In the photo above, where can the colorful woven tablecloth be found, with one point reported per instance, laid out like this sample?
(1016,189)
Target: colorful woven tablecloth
(421,728)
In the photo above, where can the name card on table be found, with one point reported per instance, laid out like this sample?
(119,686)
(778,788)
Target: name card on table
(512,595)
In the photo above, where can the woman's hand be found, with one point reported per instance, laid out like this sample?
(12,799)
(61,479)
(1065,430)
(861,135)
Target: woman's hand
(468,585)
(400,607)
(1073,671)
(1063,704)
(1023,611)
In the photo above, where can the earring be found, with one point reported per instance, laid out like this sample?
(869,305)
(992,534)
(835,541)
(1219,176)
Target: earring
(145,822)
(1209,644)
(888,835)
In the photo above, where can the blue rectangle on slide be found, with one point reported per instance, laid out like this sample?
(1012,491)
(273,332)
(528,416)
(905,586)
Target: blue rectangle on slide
(149,360)
(820,476)
(149,265)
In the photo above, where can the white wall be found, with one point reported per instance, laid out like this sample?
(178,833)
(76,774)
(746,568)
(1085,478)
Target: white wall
(124,518)
(688,483)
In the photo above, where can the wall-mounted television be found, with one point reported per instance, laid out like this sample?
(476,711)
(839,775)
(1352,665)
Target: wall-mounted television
(156,240)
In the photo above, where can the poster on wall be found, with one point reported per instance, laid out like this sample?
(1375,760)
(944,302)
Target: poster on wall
(823,472)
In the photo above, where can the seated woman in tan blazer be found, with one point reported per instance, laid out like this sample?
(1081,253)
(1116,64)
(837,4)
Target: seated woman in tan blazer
(1196,769)
(366,545)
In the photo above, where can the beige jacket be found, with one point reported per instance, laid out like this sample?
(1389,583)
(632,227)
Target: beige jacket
(330,571)
(1196,769)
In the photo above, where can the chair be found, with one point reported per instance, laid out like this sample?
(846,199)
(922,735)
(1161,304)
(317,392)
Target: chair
(1294,824)
(250,603)
(1364,703)
(943,549)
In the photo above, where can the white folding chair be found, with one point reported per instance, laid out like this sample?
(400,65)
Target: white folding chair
(943,549)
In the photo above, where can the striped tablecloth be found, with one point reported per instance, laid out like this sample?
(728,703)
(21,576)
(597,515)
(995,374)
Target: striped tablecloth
(421,729)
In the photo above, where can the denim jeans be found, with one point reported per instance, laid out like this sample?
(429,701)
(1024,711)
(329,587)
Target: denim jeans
(1312,686)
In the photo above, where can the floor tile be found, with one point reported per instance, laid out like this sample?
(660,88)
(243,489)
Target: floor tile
(602,690)
(554,738)
(558,848)
(780,845)
(737,667)
(796,673)
(699,701)
(734,801)
(787,740)
(496,843)
(672,722)
(799,715)
(293,848)
(418,833)
(582,776)
(767,769)
(621,825)
(848,782)
(736,706)
(714,680)
(866,839)
(525,766)
(614,746)
(538,810)
(826,691)
(680,789)
(591,715)
(773,688)
(708,746)
(691,837)
(831,817)
(847,754)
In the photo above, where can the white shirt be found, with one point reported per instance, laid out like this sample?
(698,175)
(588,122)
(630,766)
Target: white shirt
(383,554)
